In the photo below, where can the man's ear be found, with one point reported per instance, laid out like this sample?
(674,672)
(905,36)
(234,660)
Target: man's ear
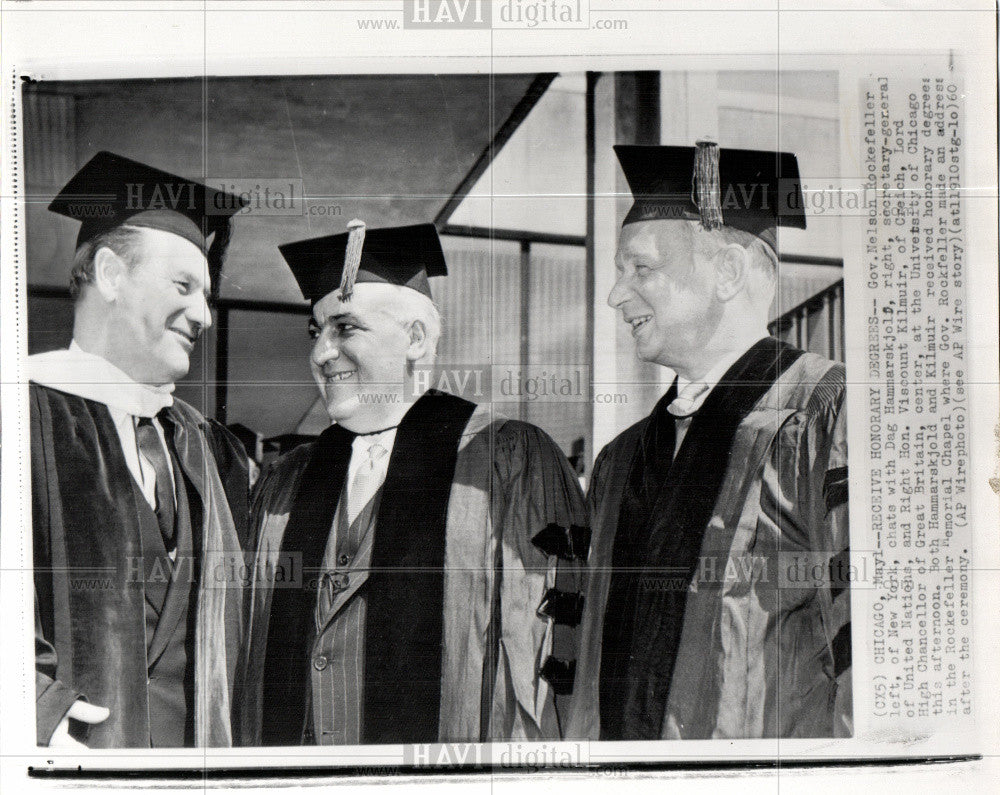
(109,271)
(418,341)
(732,266)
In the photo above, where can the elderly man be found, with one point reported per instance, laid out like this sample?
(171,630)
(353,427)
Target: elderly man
(427,528)
(136,498)
(695,623)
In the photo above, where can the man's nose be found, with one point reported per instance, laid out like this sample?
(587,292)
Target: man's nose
(619,293)
(325,350)
(199,313)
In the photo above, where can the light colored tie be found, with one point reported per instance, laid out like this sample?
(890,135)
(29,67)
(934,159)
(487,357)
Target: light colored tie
(689,400)
(366,481)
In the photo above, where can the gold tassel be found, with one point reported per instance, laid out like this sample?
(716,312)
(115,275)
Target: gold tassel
(352,258)
(705,188)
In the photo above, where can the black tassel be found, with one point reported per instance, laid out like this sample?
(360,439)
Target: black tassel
(216,254)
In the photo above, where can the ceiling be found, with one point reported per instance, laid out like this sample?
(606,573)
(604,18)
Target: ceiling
(388,149)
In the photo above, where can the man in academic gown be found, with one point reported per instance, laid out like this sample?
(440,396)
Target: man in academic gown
(138,502)
(699,621)
(428,531)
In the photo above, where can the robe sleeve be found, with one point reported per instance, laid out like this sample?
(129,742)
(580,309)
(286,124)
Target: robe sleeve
(52,698)
(831,508)
(823,514)
(270,499)
(543,531)
(234,471)
(598,476)
(275,491)
(584,712)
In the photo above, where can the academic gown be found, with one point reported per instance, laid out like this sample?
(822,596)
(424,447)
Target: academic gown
(472,596)
(700,620)
(115,624)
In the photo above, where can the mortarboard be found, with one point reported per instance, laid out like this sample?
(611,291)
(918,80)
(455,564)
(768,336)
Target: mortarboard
(111,190)
(402,255)
(754,191)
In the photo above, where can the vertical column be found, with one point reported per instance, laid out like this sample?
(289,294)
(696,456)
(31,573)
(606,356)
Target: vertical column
(525,299)
(590,142)
(626,108)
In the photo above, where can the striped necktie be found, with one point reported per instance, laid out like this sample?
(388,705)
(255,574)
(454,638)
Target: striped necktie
(152,450)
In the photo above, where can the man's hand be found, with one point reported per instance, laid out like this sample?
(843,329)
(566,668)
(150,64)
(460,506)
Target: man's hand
(81,711)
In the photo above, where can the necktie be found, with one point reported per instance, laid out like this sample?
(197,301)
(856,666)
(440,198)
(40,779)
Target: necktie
(689,399)
(152,450)
(365,482)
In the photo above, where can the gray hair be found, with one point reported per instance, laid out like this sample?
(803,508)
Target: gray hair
(125,241)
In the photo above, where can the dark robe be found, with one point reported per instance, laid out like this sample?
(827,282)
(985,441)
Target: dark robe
(117,622)
(688,629)
(465,631)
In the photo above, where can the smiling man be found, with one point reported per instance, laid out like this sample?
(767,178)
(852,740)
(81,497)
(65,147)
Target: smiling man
(696,621)
(427,528)
(135,496)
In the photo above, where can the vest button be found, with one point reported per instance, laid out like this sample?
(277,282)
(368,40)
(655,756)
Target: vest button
(344,559)
(320,662)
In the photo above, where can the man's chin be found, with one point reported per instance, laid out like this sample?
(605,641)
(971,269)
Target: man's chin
(169,374)
(647,351)
(644,354)
(342,409)
(178,373)
(175,365)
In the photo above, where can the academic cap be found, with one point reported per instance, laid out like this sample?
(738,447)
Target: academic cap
(111,190)
(403,255)
(754,191)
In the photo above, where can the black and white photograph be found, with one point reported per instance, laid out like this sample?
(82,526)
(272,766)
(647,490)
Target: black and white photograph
(431,413)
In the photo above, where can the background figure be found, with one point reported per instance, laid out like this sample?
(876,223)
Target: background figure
(253,443)
(135,496)
(427,530)
(696,623)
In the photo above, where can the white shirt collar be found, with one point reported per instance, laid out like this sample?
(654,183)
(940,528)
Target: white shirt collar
(714,375)
(93,377)
(361,445)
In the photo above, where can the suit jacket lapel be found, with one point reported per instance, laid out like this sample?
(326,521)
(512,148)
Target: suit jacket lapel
(188,464)
(160,575)
(359,576)
(183,573)
(156,566)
